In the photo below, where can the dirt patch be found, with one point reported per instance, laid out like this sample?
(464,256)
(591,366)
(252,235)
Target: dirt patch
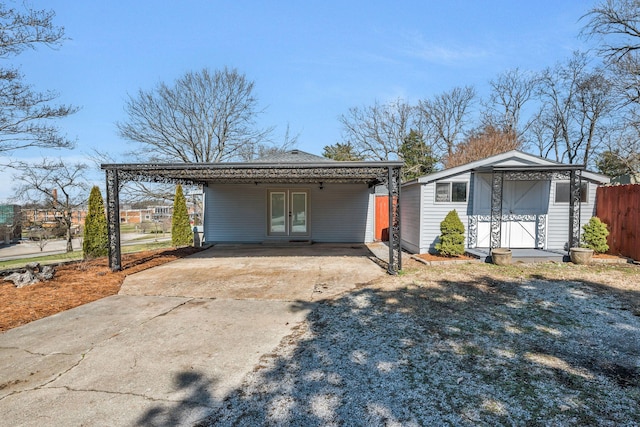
(309,273)
(75,284)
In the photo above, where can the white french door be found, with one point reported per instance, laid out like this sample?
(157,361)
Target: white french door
(288,213)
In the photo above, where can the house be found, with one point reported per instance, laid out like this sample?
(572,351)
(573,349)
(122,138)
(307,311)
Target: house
(323,210)
(288,197)
(513,199)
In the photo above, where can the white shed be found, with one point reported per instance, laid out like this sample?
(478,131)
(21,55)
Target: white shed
(513,199)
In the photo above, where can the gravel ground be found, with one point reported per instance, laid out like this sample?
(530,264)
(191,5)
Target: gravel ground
(548,345)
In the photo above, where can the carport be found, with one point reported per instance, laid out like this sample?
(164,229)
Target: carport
(293,168)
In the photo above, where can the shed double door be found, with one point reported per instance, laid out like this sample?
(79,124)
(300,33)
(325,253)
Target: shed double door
(288,213)
(522,202)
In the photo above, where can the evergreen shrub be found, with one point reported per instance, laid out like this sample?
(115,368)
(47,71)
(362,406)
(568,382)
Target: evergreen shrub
(452,235)
(181,233)
(594,235)
(95,241)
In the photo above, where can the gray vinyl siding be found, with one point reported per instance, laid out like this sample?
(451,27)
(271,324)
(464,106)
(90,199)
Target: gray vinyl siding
(558,219)
(410,217)
(433,213)
(342,213)
(337,213)
(235,213)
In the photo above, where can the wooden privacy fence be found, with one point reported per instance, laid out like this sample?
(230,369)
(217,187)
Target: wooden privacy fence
(619,207)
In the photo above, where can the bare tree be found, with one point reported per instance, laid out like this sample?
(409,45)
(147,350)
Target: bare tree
(377,132)
(41,236)
(577,101)
(251,152)
(544,132)
(56,186)
(617,24)
(510,92)
(444,118)
(203,117)
(25,114)
(482,143)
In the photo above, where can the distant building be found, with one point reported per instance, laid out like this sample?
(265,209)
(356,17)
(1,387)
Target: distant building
(135,216)
(50,218)
(10,224)
(159,213)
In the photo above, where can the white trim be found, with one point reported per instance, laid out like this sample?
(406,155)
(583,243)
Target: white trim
(288,205)
(522,157)
(450,198)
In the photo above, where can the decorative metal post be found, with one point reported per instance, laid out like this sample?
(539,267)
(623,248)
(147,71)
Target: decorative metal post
(574,208)
(113,219)
(395,251)
(496,209)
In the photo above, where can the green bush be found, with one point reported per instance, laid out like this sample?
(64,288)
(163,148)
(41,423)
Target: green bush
(95,241)
(452,235)
(181,234)
(594,235)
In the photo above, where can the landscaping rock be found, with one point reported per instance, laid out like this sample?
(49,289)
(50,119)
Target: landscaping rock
(33,273)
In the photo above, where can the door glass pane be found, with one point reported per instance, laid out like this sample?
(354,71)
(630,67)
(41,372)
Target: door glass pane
(277,213)
(298,212)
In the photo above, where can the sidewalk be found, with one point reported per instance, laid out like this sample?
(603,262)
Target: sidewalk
(31,249)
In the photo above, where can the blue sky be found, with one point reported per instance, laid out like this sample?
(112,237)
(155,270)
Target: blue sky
(310,61)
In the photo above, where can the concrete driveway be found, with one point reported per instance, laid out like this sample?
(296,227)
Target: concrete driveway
(176,340)
(281,273)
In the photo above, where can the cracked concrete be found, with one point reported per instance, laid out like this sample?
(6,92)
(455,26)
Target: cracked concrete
(187,354)
(164,359)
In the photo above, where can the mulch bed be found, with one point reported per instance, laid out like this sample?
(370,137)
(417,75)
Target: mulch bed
(75,284)
(434,257)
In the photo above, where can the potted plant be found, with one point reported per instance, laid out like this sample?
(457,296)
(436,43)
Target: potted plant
(501,256)
(594,240)
(580,255)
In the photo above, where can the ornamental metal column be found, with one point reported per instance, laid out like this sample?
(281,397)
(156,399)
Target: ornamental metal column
(496,209)
(574,209)
(395,251)
(113,219)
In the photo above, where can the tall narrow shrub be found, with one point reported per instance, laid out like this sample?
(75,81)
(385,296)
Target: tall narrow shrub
(594,235)
(451,235)
(181,234)
(95,241)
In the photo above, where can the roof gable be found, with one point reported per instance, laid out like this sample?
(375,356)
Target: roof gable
(509,158)
(513,158)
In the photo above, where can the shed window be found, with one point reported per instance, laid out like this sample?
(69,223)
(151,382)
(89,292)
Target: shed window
(451,192)
(562,192)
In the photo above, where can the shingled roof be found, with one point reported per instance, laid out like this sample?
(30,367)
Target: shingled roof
(292,156)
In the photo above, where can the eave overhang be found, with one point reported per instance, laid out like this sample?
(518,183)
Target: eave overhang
(370,173)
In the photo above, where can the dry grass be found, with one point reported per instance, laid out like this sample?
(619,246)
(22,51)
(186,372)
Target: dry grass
(464,344)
